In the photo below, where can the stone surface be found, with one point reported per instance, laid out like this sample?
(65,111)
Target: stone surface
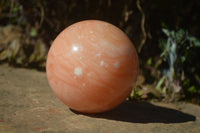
(27,104)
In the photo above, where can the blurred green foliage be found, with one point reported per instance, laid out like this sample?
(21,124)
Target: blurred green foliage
(27,29)
(176,53)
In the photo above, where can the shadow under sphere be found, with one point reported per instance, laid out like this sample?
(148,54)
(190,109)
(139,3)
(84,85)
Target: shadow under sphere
(143,112)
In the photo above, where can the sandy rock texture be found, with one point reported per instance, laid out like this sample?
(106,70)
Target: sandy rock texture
(27,104)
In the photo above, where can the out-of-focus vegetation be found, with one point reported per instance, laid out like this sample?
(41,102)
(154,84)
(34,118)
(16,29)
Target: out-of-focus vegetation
(177,53)
(169,55)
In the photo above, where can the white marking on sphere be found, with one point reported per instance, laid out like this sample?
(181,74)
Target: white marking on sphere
(117,64)
(78,71)
(102,63)
(98,55)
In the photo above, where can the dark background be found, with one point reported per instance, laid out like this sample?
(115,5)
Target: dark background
(35,24)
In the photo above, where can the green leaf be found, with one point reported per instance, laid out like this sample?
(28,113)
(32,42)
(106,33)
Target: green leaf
(194,41)
(183,59)
(197,43)
(15,9)
(3,55)
(186,83)
(162,44)
(149,61)
(33,32)
(166,31)
(192,89)
(163,24)
(180,35)
(191,38)
(139,93)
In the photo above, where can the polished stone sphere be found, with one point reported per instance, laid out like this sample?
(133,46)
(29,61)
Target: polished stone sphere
(92,66)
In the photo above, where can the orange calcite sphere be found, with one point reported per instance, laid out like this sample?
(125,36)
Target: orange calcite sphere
(92,66)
